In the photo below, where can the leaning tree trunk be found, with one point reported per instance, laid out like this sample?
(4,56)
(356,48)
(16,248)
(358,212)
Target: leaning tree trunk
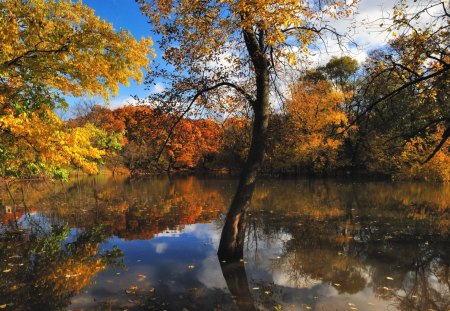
(233,233)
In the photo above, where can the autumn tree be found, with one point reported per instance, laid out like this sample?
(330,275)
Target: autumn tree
(50,50)
(234,48)
(405,98)
(315,116)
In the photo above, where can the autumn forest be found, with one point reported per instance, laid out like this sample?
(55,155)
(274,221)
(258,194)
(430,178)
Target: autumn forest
(225,155)
(386,116)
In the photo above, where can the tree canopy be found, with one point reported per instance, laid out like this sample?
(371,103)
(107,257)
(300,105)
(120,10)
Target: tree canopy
(50,50)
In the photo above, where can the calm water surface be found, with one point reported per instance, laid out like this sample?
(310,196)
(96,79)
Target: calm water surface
(151,245)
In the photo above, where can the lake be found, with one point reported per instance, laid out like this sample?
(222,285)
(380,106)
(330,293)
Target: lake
(150,244)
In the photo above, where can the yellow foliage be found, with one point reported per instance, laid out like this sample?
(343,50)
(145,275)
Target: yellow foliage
(205,28)
(315,117)
(65,46)
(41,139)
(49,49)
(415,152)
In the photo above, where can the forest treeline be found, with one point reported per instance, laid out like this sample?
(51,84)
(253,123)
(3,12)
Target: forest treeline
(389,116)
(313,134)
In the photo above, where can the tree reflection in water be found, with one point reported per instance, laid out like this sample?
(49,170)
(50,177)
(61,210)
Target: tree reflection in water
(317,244)
(42,270)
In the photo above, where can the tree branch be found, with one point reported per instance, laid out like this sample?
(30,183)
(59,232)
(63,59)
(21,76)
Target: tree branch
(194,98)
(395,92)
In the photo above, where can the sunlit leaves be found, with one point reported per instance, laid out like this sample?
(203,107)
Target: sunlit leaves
(50,49)
(315,117)
(37,143)
(65,46)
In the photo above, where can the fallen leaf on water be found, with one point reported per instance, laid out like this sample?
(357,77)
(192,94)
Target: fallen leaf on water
(337,284)
(3,306)
(386,288)
(132,289)
(191,266)
(267,292)
(389,278)
(255,288)
(370,303)
(142,276)
(278,307)
(6,270)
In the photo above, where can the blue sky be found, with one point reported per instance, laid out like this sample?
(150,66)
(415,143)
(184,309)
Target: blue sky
(125,14)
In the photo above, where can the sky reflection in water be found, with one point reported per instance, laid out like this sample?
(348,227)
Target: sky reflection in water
(318,245)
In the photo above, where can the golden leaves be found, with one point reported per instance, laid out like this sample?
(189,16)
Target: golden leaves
(40,138)
(65,46)
(314,119)
(49,49)
(201,29)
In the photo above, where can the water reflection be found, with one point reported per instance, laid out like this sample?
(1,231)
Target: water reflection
(318,245)
(42,268)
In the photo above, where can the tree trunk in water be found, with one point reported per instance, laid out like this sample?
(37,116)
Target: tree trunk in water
(237,282)
(233,233)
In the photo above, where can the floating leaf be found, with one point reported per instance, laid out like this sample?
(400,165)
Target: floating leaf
(389,278)
(191,267)
(278,307)
(6,270)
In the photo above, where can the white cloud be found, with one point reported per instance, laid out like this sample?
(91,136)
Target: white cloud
(122,101)
(160,248)
(157,88)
